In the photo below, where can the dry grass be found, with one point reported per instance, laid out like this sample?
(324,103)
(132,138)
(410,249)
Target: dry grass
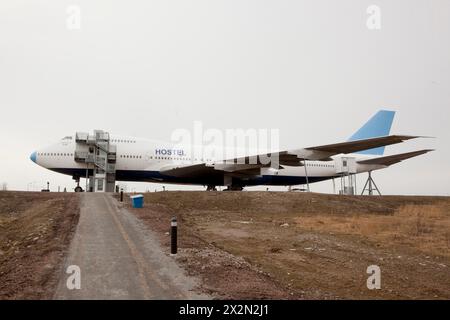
(315,246)
(423,227)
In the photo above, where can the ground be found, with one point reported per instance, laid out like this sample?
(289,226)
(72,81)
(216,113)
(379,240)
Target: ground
(246,245)
(35,232)
(238,245)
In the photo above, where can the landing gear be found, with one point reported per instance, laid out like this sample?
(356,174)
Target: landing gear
(77,188)
(211,188)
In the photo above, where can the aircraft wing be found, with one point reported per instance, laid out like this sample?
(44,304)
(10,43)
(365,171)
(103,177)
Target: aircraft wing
(390,160)
(323,153)
(181,171)
(287,157)
(320,152)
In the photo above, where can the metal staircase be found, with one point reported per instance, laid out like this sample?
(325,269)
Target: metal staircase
(99,155)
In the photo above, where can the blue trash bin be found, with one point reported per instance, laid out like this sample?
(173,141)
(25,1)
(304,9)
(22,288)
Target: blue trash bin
(137,201)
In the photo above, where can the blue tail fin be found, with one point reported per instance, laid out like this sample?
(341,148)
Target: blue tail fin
(379,125)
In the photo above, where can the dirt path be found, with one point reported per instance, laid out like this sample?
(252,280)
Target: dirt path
(119,258)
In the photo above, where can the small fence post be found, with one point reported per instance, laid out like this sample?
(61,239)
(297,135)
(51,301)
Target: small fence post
(173,236)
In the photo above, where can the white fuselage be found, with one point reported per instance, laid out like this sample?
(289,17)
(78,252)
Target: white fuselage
(146,160)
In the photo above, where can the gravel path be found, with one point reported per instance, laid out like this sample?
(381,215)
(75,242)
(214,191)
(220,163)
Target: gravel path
(119,258)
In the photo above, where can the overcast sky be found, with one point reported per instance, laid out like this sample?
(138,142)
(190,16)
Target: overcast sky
(312,69)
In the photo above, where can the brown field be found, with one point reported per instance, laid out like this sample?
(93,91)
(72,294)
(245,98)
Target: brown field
(35,231)
(313,246)
(269,245)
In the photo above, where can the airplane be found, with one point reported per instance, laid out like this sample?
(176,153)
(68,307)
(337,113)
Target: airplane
(144,160)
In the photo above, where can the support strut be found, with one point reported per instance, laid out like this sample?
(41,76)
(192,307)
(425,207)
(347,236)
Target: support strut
(370,186)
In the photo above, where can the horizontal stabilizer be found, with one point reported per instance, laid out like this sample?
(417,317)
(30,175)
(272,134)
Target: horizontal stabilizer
(359,145)
(390,160)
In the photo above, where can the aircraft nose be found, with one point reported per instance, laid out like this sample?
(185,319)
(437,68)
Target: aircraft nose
(33,157)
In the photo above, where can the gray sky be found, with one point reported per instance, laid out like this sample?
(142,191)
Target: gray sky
(310,68)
